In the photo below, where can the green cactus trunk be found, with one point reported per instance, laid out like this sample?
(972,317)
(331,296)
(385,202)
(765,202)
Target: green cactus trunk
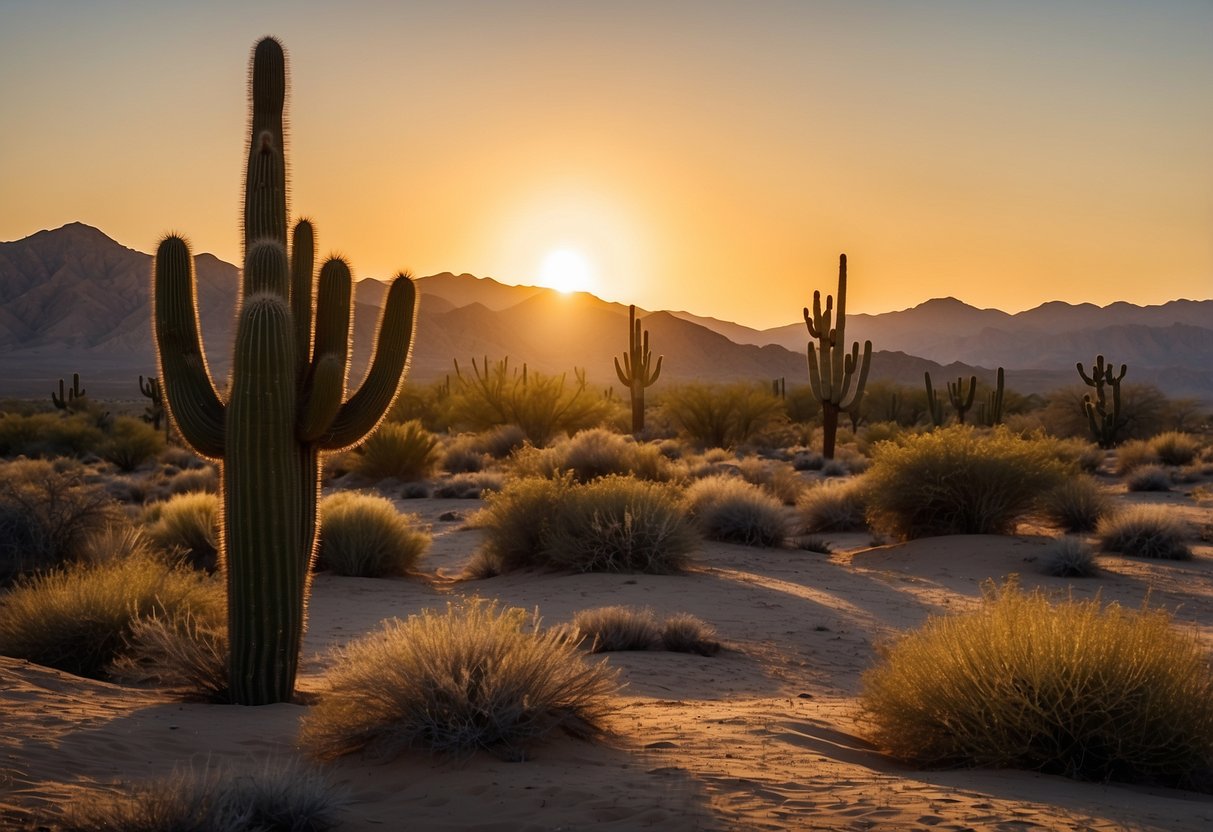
(286,404)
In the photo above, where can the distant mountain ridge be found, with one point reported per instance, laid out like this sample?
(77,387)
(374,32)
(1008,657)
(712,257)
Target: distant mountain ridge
(74,300)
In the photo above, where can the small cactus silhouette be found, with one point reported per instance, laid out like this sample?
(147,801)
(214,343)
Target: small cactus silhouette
(1105,424)
(962,401)
(69,398)
(638,370)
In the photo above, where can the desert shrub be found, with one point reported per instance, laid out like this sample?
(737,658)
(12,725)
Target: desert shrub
(958,480)
(460,456)
(1083,454)
(732,510)
(47,515)
(1132,455)
(1070,557)
(777,478)
(613,524)
(397,451)
(429,404)
(178,651)
(49,435)
(541,406)
(77,619)
(873,434)
(721,416)
(1075,504)
(1144,411)
(278,797)
(475,677)
(130,442)
(833,507)
(1069,688)
(498,442)
(1144,532)
(205,478)
(1175,448)
(684,633)
(468,486)
(608,629)
(362,535)
(180,457)
(1148,478)
(805,460)
(187,525)
(815,544)
(594,453)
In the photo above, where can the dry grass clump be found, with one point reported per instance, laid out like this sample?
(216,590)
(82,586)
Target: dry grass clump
(834,507)
(279,797)
(1134,454)
(593,453)
(732,510)
(204,478)
(1089,692)
(475,677)
(363,536)
(178,651)
(1175,448)
(1082,453)
(608,629)
(721,416)
(776,477)
(1144,532)
(404,452)
(130,442)
(958,480)
(613,524)
(1075,504)
(1148,478)
(47,514)
(1070,557)
(187,525)
(78,619)
(461,457)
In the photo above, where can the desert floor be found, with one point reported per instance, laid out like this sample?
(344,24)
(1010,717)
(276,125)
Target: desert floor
(762,736)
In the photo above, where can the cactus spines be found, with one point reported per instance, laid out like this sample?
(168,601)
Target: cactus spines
(638,370)
(960,400)
(934,403)
(831,368)
(286,403)
(69,397)
(1104,424)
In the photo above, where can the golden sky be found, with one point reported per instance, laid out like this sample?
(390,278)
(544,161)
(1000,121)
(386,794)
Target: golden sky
(707,156)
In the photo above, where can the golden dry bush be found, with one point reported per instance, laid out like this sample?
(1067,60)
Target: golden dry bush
(1074,688)
(477,676)
(364,536)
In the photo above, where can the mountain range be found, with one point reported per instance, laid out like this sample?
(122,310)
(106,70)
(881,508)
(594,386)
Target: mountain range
(74,300)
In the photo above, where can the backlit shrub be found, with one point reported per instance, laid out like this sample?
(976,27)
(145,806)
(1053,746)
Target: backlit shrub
(1075,504)
(593,453)
(833,506)
(131,442)
(1175,448)
(1144,532)
(188,525)
(475,677)
(362,535)
(730,509)
(958,480)
(1071,688)
(397,451)
(608,629)
(721,416)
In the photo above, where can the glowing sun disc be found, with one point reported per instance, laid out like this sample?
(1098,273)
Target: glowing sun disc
(565,270)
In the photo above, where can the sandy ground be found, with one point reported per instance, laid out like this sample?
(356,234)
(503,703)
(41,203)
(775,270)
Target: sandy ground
(760,737)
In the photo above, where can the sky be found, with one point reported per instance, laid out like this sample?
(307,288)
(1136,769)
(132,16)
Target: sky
(713,157)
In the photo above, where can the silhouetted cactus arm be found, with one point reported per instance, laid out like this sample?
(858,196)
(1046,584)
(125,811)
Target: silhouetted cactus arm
(865,364)
(189,391)
(265,185)
(367,407)
(303,261)
(625,376)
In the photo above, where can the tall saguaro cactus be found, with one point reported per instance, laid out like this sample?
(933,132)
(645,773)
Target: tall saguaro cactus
(831,368)
(286,402)
(69,397)
(1105,424)
(960,400)
(638,370)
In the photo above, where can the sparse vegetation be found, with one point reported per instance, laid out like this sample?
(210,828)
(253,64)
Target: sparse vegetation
(594,453)
(1144,532)
(613,524)
(1070,557)
(721,416)
(474,677)
(608,629)
(278,797)
(684,633)
(1148,478)
(732,510)
(1075,504)
(833,507)
(404,452)
(1175,448)
(958,480)
(1072,688)
(78,619)
(1134,454)
(179,651)
(130,442)
(362,535)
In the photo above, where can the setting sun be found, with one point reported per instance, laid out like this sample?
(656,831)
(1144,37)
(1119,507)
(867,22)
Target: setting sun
(566,270)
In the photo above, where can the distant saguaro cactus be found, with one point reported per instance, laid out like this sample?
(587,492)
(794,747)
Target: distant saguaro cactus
(1105,424)
(638,370)
(69,397)
(831,368)
(960,400)
(934,403)
(154,414)
(286,403)
(990,411)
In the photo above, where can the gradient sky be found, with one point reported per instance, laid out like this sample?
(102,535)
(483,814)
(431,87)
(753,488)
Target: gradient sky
(708,156)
